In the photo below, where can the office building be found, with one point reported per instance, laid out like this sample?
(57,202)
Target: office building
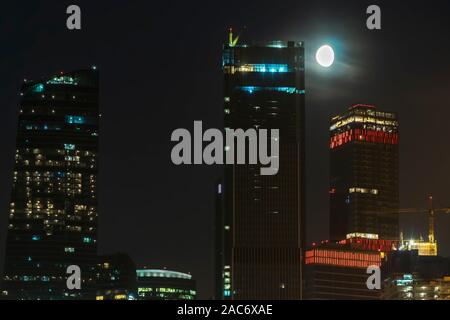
(364,173)
(52,219)
(338,270)
(263,215)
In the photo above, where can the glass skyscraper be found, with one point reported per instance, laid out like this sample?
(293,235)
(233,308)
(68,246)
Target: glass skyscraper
(52,219)
(262,217)
(364,173)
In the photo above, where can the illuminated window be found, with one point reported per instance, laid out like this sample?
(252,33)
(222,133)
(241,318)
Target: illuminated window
(270,68)
(75,119)
(252,89)
(62,80)
(69,146)
(87,240)
(38,88)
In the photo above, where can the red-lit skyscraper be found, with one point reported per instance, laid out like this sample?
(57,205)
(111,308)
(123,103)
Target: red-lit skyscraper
(364,173)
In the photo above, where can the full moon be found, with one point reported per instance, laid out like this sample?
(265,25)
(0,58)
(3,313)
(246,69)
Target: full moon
(325,56)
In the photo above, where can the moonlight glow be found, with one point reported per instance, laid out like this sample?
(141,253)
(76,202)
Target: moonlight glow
(325,56)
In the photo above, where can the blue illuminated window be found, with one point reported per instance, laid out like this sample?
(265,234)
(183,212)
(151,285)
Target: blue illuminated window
(38,88)
(69,146)
(75,119)
(35,238)
(87,240)
(59,174)
(252,89)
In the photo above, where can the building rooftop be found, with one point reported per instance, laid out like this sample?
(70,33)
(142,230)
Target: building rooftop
(271,44)
(161,273)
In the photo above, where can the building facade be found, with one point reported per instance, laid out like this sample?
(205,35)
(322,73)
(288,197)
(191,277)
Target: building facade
(413,276)
(413,287)
(364,173)
(157,284)
(263,215)
(338,271)
(52,220)
(116,278)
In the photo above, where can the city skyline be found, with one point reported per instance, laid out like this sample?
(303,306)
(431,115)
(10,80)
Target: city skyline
(169,213)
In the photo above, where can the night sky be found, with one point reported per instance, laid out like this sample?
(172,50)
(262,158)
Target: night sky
(160,69)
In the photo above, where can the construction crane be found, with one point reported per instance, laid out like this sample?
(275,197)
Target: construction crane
(431,211)
(431,245)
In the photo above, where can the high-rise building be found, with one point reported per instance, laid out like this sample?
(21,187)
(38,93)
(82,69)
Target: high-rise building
(364,173)
(52,220)
(263,215)
(116,278)
(338,270)
(157,284)
(222,279)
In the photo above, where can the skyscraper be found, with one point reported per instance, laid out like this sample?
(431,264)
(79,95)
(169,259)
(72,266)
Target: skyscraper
(53,211)
(263,216)
(364,173)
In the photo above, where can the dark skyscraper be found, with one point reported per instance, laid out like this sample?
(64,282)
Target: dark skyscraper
(263,220)
(364,173)
(53,211)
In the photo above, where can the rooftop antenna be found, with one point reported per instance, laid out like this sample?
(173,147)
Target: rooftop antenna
(233,41)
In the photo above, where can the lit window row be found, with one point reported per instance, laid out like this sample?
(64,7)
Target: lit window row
(363,190)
